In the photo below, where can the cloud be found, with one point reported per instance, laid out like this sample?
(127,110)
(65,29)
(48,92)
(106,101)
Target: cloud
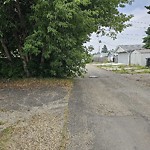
(140,14)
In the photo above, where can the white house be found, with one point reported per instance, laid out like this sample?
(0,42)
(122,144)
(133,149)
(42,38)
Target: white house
(139,57)
(125,51)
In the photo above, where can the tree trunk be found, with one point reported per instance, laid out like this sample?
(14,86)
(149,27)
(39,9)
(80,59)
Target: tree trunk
(19,13)
(42,57)
(21,39)
(25,67)
(5,49)
(24,62)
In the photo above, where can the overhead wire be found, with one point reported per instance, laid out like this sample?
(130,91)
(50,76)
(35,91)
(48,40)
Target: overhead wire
(140,22)
(125,36)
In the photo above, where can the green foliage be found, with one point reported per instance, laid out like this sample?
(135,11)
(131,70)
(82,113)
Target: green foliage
(148,7)
(49,36)
(104,49)
(125,69)
(2,123)
(90,48)
(5,135)
(9,70)
(146,39)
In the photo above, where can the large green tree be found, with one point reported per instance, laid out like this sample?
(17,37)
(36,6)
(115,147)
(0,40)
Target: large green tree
(47,36)
(146,40)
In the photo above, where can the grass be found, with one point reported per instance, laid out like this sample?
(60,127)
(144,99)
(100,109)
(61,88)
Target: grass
(1,123)
(125,69)
(122,71)
(5,136)
(2,110)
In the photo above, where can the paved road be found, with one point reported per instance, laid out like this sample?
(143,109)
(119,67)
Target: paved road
(110,112)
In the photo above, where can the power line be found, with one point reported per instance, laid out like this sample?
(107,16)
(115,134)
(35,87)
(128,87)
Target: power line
(138,27)
(122,34)
(130,38)
(140,22)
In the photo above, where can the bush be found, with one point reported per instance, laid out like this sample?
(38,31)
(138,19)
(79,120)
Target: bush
(9,69)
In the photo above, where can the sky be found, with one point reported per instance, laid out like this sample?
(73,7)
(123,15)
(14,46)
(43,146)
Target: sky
(131,35)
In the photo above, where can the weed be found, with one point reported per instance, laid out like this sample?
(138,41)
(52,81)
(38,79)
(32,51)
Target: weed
(1,123)
(122,71)
(5,136)
(125,69)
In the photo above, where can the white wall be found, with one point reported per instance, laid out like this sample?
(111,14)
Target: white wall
(123,58)
(110,57)
(138,58)
(143,58)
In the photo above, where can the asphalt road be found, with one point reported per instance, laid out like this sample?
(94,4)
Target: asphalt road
(110,112)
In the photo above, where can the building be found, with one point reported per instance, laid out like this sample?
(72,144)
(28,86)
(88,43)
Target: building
(125,51)
(139,57)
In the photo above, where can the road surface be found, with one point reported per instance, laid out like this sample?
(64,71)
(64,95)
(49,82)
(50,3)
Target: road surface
(110,112)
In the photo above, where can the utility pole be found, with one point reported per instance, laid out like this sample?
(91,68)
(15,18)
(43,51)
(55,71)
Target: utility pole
(99,41)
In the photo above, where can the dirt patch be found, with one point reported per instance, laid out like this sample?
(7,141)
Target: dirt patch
(37,110)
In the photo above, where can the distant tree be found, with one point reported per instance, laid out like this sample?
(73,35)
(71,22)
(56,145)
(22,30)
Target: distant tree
(104,49)
(146,39)
(148,7)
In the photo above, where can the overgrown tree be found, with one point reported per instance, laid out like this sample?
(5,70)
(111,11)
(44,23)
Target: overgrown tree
(46,37)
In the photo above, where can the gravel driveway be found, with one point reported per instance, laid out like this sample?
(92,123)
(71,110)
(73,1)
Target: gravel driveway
(33,114)
(110,112)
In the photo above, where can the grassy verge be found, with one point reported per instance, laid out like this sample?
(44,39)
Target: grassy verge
(125,69)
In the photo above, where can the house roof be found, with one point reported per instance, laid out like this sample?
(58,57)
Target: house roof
(128,48)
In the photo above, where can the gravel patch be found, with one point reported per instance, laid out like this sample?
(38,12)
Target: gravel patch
(36,113)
